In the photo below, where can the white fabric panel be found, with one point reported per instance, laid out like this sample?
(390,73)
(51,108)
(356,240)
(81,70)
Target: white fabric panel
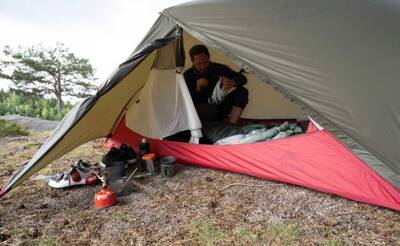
(164,107)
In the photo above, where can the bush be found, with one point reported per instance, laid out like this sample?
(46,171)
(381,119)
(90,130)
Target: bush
(32,106)
(11,129)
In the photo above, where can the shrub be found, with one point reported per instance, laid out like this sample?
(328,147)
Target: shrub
(32,106)
(11,129)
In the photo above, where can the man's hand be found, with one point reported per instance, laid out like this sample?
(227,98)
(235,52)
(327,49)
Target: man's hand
(200,84)
(227,83)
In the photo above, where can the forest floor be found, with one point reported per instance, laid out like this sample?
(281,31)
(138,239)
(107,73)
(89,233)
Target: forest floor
(197,206)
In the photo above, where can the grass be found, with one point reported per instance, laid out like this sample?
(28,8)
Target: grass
(47,242)
(2,212)
(245,236)
(333,240)
(48,170)
(21,237)
(120,216)
(281,234)
(209,233)
(11,129)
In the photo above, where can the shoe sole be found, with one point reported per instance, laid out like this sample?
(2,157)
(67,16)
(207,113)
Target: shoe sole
(59,185)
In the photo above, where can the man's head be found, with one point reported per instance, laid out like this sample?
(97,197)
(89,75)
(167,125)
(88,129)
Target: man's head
(200,57)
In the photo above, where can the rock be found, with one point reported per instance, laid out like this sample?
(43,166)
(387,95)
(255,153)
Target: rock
(33,124)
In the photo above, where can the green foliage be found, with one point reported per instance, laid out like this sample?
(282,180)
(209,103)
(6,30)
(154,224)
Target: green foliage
(40,71)
(2,212)
(11,129)
(245,236)
(33,106)
(282,234)
(333,240)
(207,232)
(47,242)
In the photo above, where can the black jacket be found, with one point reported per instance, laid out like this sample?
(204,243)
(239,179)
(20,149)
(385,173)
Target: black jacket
(215,70)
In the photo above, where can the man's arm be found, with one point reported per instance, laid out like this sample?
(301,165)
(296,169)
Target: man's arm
(190,79)
(231,78)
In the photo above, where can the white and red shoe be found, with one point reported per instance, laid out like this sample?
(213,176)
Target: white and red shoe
(80,173)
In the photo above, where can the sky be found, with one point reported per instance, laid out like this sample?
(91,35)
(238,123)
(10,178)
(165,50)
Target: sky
(103,31)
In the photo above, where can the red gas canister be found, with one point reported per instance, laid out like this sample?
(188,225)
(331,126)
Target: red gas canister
(105,198)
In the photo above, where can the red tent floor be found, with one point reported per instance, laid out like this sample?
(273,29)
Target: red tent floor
(316,160)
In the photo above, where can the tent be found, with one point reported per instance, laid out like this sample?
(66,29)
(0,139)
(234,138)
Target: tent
(334,62)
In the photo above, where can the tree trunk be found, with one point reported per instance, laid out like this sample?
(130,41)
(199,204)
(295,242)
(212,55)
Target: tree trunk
(59,98)
(59,105)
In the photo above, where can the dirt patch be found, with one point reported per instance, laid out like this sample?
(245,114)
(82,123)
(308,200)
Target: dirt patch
(195,207)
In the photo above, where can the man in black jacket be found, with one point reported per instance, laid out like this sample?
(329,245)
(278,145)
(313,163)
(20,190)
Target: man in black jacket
(201,79)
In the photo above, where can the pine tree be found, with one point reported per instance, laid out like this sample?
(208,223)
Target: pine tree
(43,71)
